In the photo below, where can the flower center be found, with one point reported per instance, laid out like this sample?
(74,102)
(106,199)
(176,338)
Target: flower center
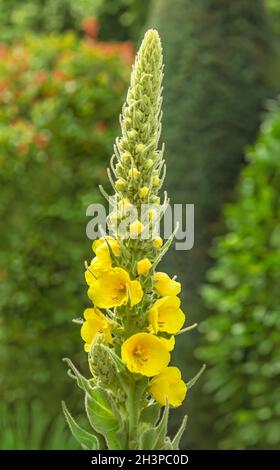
(139,354)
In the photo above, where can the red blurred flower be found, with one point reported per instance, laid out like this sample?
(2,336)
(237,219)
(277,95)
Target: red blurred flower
(41,77)
(59,76)
(100,127)
(91,27)
(40,140)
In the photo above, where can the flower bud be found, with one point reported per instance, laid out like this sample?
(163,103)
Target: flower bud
(143,191)
(149,163)
(157,242)
(120,184)
(156,181)
(136,227)
(133,173)
(144,266)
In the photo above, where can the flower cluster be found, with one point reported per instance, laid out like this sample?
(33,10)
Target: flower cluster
(130,330)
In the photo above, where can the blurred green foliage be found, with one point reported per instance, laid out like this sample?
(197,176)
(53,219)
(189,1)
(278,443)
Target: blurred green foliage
(28,427)
(60,99)
(242,334)
(39,16)
(122,19)
(216,56)
(119,19)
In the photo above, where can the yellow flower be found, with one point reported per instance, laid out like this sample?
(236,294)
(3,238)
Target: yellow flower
(157,243)
(102,262)
(166,286)
(169,342)
(143,191)
(104,241)
(97,267)
(95,323)
(114,288)
(168,386)
(144,266)
(166,315)
(136,228)
(144,353)
(103,249)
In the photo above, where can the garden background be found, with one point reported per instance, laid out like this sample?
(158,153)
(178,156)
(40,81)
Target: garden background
(64,70)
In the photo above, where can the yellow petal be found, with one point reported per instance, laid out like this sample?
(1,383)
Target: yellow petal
(110,289)
(95,323)
(135,292)
(99,242)
(144,353)
(166,286)
(165,315)
(168,386)
(169,342)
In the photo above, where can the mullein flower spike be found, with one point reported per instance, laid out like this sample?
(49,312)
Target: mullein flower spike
(129,331)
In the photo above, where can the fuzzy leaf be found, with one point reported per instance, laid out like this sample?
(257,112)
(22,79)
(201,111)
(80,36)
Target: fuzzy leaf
(177,437)
(87,440)
(104,417)
(82,382)
(151,413)
(191,382)
(148,438)
(161,430)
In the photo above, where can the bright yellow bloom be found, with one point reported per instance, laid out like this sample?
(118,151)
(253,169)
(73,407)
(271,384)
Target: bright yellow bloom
(100,241)
(166,286)
(169,342)
(157,243)
(97,267)
(142,192)
(115,288)
(102,250)
(102,262)
(166,315)
(136,228)
(168,386)
(95,323)
(144,353)
(144,266)
(133,173)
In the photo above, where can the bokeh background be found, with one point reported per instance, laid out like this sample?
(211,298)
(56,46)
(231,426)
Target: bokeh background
(64,71)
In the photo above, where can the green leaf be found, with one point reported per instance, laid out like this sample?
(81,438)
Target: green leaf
(177,437)
(151,413)
(161,430)
(87,440)
(148,438)
(82,382)
(104,417)
(191,382)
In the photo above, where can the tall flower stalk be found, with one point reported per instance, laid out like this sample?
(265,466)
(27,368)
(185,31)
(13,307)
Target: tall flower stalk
(129,332)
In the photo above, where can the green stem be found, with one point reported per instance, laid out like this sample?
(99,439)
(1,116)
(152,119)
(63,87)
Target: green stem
(133,415)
